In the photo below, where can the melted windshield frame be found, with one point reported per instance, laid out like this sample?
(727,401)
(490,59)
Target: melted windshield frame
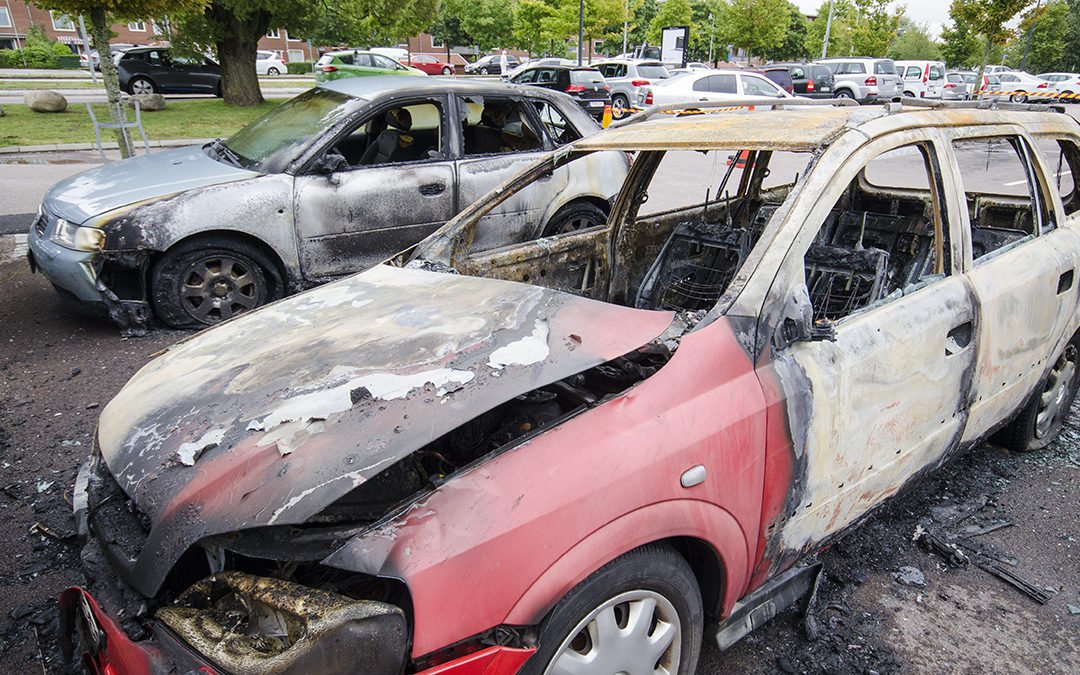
(274,141)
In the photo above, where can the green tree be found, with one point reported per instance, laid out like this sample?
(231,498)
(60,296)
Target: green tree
(914,42)
(707,25)
(960,46)
(670,13)
(1072,36)
(488,24)
(602,19)
(529,21)
(839,32)
(988,18)
(875,27)
(101,14)
(793,48)
(642,14)
(1049,40)
(757,25)
(447,28)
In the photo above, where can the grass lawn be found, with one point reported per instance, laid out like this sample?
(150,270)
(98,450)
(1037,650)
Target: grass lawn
(60,84)
(179,119)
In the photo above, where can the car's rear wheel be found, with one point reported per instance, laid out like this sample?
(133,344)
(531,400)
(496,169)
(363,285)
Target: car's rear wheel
(447,70)
(574,217)
(208,280)
(1018,98)
(620,106)
(141,85)
(642,612)
(909,94)
(1040,422)
(843,93)
(273,71)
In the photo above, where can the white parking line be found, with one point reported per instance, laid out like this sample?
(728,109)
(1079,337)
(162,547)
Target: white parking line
(1066,172)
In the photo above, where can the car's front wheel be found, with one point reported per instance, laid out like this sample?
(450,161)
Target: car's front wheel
(1040,422)
(642,612)
(141,85)
(208,280)
(484,70)
(1018,98)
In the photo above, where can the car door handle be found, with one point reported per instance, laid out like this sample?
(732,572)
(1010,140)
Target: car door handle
(1065,282)
(432,189)
(958,339)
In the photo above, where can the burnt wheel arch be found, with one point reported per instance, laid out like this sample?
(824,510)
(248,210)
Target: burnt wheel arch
(550,228)
(268,259)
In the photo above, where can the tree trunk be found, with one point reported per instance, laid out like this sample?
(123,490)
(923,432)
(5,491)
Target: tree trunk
(236,52)
(99,27)
(982,68)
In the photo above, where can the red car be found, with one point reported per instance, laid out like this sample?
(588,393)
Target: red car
(429,64)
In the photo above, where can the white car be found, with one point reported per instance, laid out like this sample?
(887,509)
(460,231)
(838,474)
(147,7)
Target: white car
(269,63)
(1063,83)
(709,85)
(1019,86)
(921,79)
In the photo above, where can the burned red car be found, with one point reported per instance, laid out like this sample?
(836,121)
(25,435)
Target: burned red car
(584,452)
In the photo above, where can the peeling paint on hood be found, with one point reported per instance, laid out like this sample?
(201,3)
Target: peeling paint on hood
(138,179)
(318,393)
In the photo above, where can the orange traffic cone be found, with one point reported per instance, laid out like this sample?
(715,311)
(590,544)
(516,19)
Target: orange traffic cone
(605,121)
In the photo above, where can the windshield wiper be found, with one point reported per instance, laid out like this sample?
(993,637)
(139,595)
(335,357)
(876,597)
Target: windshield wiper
(225,151)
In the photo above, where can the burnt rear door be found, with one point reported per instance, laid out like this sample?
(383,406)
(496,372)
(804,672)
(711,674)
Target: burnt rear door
(384,185)
(876,264)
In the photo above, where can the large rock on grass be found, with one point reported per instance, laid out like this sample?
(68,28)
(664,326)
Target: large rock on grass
(148,102)
(45,101)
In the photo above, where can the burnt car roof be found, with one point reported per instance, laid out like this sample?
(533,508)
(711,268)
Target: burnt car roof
(369,87)
(802,129)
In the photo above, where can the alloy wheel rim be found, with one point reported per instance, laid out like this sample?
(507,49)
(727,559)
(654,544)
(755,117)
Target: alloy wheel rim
(618,109)
(634,633)
(1052,402)
(142,87)
(217,288)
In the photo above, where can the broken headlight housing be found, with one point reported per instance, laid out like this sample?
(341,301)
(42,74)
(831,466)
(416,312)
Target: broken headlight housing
(77,237)
(249,624)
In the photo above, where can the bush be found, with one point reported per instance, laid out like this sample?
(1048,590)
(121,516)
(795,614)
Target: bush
(299,67)
(68,60)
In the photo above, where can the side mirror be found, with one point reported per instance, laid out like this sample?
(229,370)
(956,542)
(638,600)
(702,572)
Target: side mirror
(797,322)
(330,162)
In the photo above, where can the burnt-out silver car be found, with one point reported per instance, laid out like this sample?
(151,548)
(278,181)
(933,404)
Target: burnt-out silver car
(332,182)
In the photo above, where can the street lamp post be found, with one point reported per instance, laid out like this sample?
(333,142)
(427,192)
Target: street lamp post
(828,28)
(712,32)
(625,23)
(1031,30)
(580,30)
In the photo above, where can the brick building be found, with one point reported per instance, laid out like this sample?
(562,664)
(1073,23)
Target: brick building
(16,17)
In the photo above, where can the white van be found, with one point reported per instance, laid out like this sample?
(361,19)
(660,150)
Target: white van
(922,79)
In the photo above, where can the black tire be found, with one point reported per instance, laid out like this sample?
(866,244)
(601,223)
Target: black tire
(1018,98)
(655,573)
(273,71)
(573,217)
(139,85)
(620,107)
(484,70)
(207,280)
(447,70)
(218,92)
(1040,421)
(910,94)
(843,93)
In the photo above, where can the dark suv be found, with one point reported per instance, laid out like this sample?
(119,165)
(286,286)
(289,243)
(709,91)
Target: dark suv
(154,70)
(811,80)
(584,85)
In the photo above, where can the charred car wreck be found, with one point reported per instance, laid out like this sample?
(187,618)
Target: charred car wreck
(332,182)
(579,452)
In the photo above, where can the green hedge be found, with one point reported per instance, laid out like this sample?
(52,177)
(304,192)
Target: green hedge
(299,67)
(36,57)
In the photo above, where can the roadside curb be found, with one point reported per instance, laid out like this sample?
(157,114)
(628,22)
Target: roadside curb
(63,147)
(12,246)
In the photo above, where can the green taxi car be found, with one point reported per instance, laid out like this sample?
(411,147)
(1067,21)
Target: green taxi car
(356,63)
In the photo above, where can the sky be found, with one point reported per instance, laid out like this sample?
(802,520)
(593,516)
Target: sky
(933,13)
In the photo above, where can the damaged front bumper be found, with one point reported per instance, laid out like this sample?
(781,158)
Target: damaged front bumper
(233,622)
(102,284)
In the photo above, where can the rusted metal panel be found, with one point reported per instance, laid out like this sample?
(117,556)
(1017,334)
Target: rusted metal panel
(270,417)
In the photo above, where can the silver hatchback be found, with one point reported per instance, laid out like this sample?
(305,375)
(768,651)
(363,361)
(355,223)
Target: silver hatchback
(866,80)
(627,77)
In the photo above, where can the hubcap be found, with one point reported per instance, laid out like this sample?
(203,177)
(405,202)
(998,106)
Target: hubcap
(142,87)
(217,288)
(618,108)
(634,633)
(1054,396)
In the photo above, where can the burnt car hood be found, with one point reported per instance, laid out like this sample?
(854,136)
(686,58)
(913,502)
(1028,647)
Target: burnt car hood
(270,418)
(137,179)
